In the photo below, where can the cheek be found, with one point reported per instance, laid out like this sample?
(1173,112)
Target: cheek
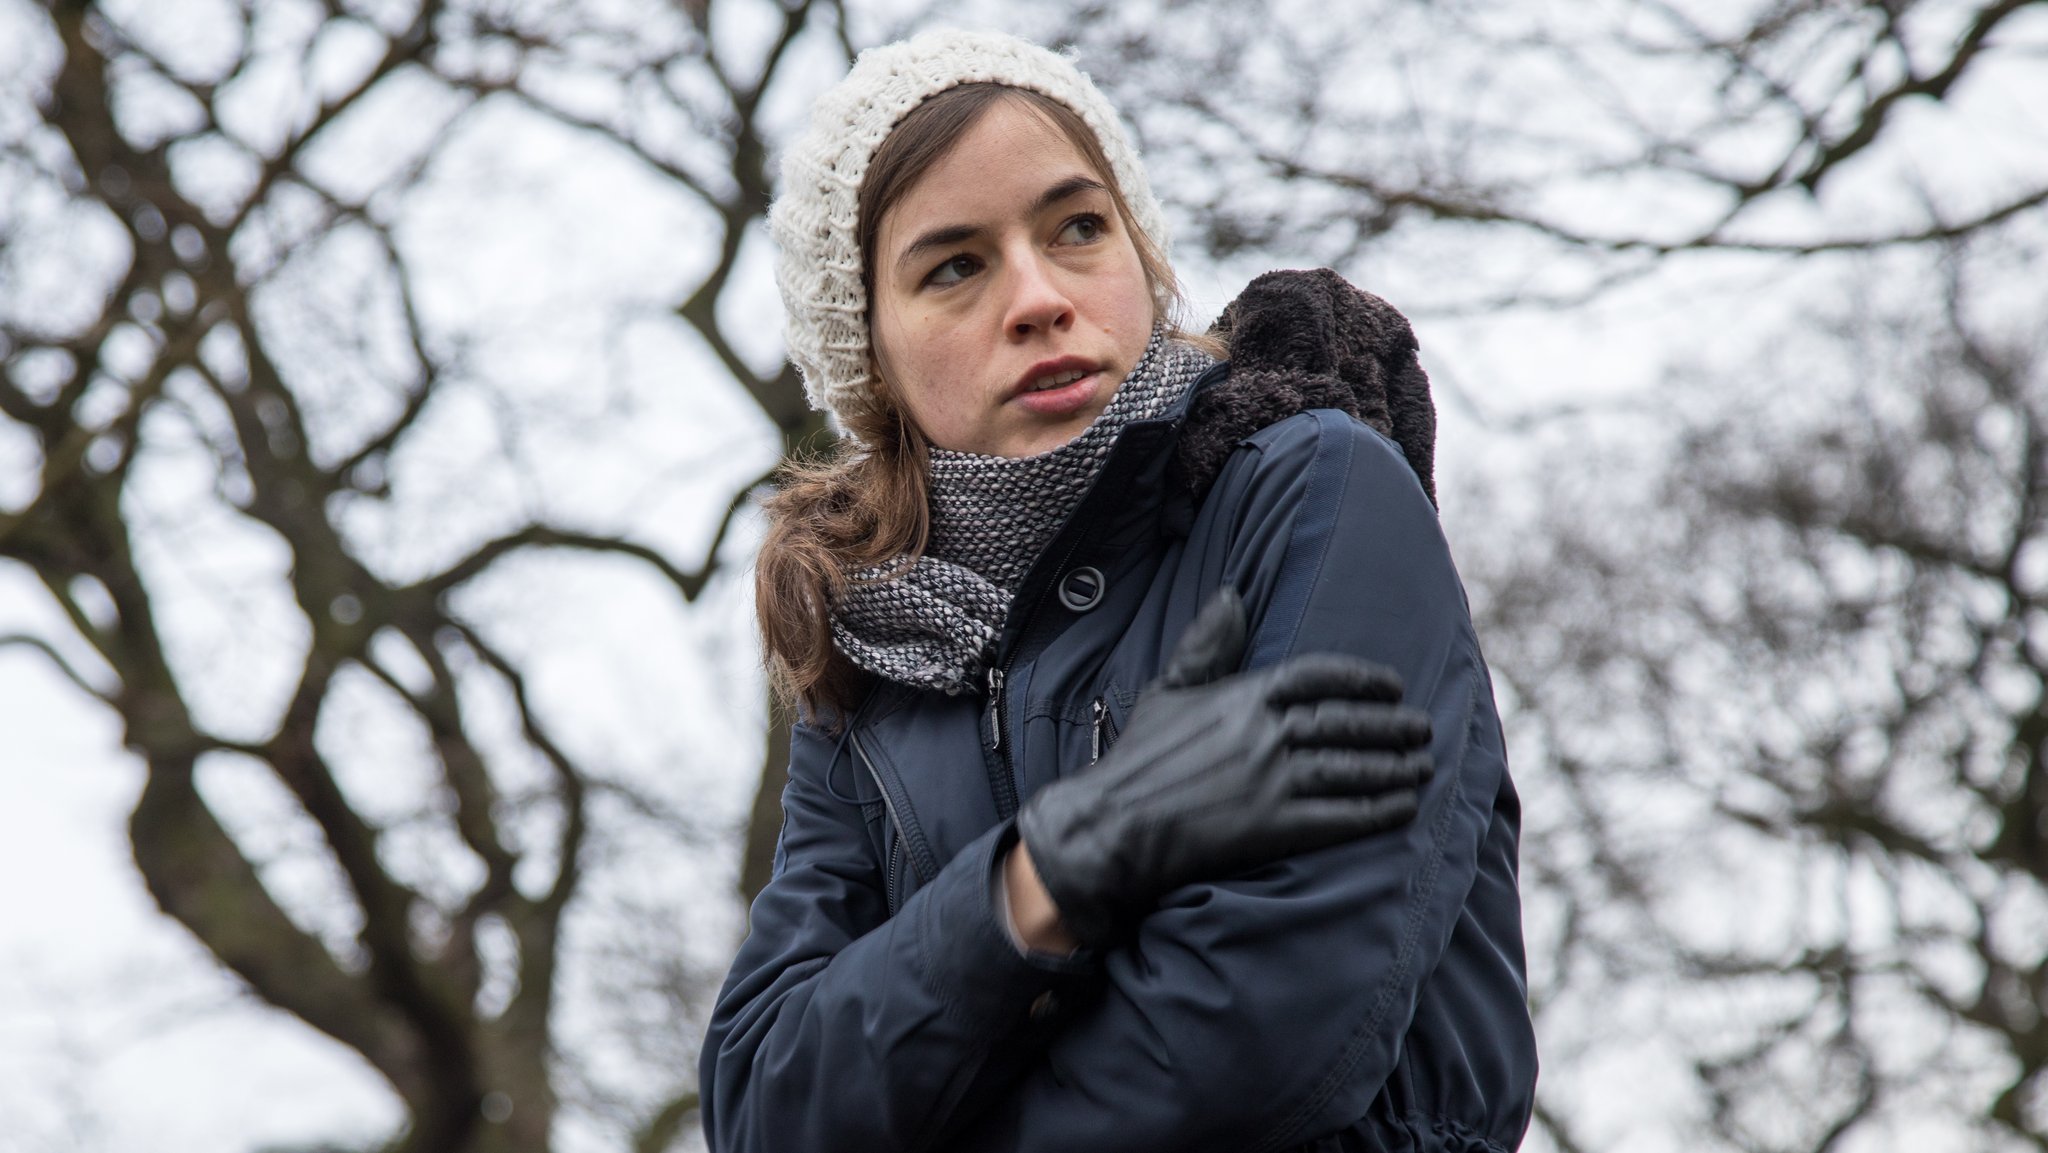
(1131,311)
(919,357)
(885,339)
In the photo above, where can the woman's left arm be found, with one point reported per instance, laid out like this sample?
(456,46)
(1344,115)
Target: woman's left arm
(1268,1010)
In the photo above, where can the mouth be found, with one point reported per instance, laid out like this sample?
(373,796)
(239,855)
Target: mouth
(1056,380)
(1057,390)
(1053,374)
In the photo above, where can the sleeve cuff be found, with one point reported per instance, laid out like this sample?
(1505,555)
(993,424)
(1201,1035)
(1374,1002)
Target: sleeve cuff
(999,897)
(972,961)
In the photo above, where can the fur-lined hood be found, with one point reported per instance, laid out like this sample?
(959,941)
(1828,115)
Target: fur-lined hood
(1302,340)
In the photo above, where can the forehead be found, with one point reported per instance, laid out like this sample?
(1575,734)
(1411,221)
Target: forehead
(996,169)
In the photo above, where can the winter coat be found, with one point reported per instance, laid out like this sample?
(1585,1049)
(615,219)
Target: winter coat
(1364,997)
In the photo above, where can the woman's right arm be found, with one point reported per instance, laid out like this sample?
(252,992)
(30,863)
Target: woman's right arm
(840,1027)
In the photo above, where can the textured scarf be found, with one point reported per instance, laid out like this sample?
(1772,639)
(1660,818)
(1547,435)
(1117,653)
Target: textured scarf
(934,622)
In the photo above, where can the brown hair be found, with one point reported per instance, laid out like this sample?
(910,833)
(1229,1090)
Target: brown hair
(863,504)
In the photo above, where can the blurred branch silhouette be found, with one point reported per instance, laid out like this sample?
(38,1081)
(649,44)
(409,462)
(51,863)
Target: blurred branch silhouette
(1807,662)
(177,336)
(1670,129)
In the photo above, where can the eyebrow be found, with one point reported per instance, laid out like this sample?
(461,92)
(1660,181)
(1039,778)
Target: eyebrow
(950,235)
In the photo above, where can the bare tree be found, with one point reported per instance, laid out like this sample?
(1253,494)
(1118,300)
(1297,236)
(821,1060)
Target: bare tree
(694,115)
(184,223)
(1786,704)
(1478,155)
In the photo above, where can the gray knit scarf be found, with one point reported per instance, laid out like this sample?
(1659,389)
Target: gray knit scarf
(934,622)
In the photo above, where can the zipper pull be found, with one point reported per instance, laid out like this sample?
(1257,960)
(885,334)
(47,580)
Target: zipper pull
(1095,736)
(995,709)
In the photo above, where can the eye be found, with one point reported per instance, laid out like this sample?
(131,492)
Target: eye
(953,270)
(1083,229)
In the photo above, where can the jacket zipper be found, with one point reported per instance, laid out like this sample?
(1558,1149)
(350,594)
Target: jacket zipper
(1001,776)
(1000,781)
(995,709)
(891,876)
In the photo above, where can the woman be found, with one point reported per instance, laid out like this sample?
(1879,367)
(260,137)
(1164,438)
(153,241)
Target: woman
(1108,825)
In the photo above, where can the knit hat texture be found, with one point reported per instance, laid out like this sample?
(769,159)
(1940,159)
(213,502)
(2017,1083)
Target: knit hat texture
(814,220)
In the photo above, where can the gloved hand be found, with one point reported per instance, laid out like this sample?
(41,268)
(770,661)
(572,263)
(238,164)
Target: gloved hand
(1217,773)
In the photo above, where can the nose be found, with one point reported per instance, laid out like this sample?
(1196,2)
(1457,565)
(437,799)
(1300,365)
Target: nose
(1038,304)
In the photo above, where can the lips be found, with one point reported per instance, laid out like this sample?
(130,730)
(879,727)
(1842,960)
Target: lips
(1052,375)
(1055,380)
(1059,388)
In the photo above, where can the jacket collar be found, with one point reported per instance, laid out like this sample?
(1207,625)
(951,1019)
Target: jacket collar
(1133,497)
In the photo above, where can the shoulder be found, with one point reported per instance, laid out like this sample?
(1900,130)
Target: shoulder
(1322,525)
(1327,435)
(1299,469)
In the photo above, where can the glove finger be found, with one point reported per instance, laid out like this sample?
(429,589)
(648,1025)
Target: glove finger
(1317,676)
(1354,773)
(1355,725)
(1212,646)
(1319,822)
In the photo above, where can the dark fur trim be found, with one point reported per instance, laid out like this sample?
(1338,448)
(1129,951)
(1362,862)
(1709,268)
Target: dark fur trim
(1303,340)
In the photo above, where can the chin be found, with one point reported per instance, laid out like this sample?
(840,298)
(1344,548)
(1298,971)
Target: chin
(1044,440)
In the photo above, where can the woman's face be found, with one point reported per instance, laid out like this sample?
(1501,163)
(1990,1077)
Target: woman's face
(1009,302)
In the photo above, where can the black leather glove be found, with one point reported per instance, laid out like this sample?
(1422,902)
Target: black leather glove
(1218,773)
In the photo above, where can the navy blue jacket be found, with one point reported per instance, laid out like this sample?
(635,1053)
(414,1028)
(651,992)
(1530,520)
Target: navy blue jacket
(1367,996)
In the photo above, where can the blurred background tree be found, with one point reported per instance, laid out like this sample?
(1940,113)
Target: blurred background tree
(386,384)
(272,465)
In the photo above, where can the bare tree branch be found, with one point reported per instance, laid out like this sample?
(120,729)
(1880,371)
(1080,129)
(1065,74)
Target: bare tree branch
(690,584)
(49,652)
(666,1125)
(410,46)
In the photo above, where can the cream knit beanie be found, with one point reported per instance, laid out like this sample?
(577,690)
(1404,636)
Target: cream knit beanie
(814,219)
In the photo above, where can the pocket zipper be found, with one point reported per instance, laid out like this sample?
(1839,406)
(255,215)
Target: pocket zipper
(892,874)
(1104,731)
(892,877)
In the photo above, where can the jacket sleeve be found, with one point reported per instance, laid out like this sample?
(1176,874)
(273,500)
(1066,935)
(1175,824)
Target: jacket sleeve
(841,1028)
(1269,1010)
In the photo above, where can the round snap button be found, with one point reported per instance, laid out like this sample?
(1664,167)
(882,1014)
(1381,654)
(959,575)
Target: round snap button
(1082,588)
